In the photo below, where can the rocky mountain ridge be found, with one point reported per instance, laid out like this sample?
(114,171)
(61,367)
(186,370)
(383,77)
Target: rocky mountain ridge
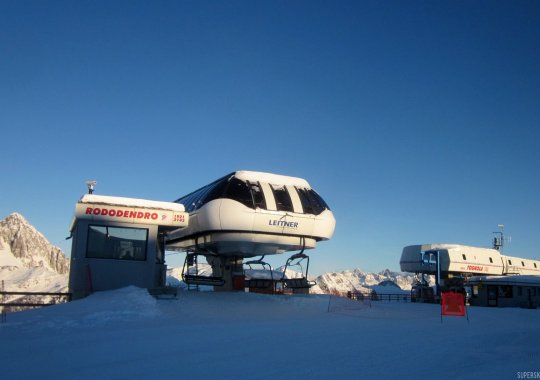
(28,262)
(28,245)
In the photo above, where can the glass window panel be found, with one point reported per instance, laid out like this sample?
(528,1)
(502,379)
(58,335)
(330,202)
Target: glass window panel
(240,192)
(312,203)
(200,197)
(216,191)
(258,196)
(118,243)
(318,203)
(283,199)
(306,202)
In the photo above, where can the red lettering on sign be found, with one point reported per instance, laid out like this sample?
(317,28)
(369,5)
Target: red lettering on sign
(475,267)
(114,213)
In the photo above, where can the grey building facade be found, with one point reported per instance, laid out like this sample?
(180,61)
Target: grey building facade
(119,242)
(505,291)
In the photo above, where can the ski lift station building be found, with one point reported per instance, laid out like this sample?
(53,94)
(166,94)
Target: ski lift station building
(505,291)
(495,279)
(121,241)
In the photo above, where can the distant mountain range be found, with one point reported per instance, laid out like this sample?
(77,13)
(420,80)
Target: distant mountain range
(340,283)
(28,262)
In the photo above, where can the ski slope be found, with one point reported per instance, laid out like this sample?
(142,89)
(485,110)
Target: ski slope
(127,334)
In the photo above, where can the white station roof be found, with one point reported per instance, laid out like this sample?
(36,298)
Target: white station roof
(272,179)
(106,208)
(131,202)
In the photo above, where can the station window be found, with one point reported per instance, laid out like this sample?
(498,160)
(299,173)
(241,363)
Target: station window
(214,192)
(522,263)
(239,191)
(258,196)
(491,260)
(196,199)
(283,199)
(312,203)
(464,257)
(249,194)
(509,262)
(505,291)
(118,243)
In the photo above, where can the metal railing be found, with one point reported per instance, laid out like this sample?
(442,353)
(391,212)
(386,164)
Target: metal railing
(360,296)
(56,298)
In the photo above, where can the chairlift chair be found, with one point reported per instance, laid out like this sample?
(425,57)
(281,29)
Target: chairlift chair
(189,278)
(296,260)
(261,283)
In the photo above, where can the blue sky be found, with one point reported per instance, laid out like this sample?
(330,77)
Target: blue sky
(418,122)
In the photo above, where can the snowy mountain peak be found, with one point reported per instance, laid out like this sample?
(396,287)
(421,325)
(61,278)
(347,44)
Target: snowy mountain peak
(15,217)
(21,240)
(28,262)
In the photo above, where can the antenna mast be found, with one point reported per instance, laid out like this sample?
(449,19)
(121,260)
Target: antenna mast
(498,242)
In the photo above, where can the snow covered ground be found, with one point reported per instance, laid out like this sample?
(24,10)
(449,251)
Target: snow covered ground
(127,334)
